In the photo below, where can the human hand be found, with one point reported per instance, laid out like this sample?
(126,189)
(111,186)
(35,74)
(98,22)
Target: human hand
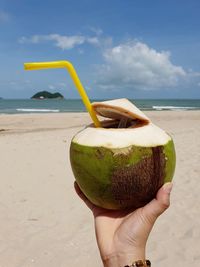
(122,235)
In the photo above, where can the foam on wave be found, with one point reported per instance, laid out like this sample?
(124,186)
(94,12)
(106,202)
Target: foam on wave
(172,108)
(36,110)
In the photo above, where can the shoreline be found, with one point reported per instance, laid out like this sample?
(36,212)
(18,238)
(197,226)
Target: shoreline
(40,122)
(24,106)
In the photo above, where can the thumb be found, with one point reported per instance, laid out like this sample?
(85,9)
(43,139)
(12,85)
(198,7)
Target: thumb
(159,204)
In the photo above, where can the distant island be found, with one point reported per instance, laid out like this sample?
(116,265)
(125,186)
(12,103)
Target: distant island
(47,95)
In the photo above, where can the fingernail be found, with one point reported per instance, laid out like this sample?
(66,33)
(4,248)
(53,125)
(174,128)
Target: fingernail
(168,187)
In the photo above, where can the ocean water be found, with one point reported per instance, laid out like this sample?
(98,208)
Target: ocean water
(14,106)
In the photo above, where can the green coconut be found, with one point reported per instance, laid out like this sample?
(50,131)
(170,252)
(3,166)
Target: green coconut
(123,163)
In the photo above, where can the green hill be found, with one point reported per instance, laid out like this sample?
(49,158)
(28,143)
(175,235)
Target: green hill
(47,95)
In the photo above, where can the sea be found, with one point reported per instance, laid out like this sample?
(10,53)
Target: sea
(18,106)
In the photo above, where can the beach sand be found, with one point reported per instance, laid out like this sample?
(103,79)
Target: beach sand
(42,221)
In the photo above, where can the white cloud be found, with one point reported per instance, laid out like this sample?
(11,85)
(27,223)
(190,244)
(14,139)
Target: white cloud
(66,42)
(62,84)
(136,65)
(132,64)
(93,40)
(62,41)
(97,31)
(51,87)
(4,16)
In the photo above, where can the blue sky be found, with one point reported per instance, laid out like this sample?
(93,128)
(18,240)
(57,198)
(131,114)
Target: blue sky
(120,48)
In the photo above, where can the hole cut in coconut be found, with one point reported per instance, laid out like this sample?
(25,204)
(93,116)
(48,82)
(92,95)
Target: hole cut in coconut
(122,114)
(123,123)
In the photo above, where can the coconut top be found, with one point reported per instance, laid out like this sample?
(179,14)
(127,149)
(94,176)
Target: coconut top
(118,109)
(144,134)
(147,136)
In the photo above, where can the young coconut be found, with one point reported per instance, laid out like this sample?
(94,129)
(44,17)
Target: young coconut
(124,163)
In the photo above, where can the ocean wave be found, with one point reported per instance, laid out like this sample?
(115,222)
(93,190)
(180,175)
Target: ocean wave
(172,108)
(36,110)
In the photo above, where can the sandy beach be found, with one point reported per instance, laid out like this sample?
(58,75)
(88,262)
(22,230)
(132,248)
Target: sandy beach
(42,221)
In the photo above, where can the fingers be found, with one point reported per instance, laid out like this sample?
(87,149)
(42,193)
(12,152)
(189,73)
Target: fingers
(95,210)
(83,197)
(158,205)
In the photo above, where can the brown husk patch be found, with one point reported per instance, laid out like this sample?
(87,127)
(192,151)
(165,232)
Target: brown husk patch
(136,185)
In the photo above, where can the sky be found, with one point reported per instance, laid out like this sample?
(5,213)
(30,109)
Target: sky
(119,48)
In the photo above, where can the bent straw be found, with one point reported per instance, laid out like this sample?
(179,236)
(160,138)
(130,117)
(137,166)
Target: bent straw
(75,78)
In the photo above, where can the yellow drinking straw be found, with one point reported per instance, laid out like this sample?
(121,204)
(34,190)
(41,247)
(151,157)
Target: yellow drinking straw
(75,78)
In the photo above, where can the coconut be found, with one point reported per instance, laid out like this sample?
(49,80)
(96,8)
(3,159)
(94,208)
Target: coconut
(123,163)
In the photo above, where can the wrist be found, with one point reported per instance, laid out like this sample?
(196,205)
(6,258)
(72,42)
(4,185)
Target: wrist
(121,259)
